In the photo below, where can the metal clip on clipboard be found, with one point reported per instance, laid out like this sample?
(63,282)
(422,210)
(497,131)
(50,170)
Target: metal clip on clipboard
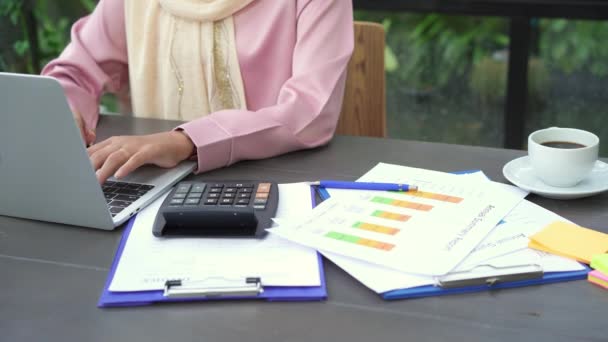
(481,275)
(251,287)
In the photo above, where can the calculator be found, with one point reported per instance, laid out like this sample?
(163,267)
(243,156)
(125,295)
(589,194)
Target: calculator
(218,209)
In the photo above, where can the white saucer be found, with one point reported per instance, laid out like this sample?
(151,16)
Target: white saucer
(519,172)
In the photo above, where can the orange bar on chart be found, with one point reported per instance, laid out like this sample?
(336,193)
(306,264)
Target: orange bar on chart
(376,228)
(390,216)
(383,246)
(435,196)
(402,204)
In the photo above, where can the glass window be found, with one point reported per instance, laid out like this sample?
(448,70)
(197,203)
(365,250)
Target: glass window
(446,76)
(573,91)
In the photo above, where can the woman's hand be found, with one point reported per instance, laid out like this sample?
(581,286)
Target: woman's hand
(121,155)
(88,136)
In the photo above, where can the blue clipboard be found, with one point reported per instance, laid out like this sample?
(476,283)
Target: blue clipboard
(271,293)
(432,290)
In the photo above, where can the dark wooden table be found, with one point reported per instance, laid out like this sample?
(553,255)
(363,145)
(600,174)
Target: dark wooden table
(519,13)
(52,275)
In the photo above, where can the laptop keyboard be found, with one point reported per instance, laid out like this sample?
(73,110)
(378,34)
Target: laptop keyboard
(120,195)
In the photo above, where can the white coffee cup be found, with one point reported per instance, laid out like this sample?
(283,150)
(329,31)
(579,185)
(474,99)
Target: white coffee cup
(562,157)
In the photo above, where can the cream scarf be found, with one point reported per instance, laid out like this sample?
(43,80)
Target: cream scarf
(183,62)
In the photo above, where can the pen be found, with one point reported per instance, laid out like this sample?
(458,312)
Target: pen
(364,185)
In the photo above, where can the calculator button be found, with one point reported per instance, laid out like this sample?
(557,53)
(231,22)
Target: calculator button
(259,206)
(243,201)
(244,195)
(196,195)
(211,201)
(260,201)
(261,195)
(183,188)
(179,195)
(192,201)
(264,187)
(215,190)
(198,188)
(146,187)
(230,190)
(246,190)
(243,185)
(228,195)
(213,195)
(217,185)
(177,201)
(226,201)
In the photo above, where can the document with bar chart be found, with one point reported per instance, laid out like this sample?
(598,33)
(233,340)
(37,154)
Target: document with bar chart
(429,231)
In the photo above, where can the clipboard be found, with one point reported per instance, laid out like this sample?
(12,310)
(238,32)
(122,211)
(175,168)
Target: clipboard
(238,289)
(508,280)
(498,278)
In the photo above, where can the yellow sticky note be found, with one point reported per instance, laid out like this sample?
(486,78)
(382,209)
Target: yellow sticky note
(600,263)
(570,240)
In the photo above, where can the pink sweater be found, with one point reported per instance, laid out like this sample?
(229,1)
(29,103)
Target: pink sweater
(292,54)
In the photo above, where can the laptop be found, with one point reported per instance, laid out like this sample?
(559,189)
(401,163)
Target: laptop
(45,172)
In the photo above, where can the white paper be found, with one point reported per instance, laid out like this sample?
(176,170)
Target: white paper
(506,244)
(428,241)
(147,261)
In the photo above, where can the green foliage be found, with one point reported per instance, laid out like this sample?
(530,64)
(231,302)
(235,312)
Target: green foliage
(489,81)
(437,48)
(21,47)
(431,50)
(89,5)
(11,9)
(575,45)
(51,30)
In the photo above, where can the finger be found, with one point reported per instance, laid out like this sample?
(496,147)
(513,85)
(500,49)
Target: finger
(112,163)
(80,124)
(137,160)
(98,158)
(94,148)
(90,137)
(83,133)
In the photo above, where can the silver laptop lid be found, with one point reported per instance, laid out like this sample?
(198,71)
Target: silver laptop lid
(45,173)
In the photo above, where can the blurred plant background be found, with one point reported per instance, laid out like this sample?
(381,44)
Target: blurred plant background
(32,32)
(446,75)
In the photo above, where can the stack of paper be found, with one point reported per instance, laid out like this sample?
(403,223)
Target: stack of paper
(600,275)
(427,232)
(148,262)
(413,247)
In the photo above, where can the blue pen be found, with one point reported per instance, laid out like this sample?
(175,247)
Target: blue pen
(365,185)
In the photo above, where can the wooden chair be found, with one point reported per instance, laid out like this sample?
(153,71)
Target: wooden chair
(364,106)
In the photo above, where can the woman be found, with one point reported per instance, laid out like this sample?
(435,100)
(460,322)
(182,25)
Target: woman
(252,78)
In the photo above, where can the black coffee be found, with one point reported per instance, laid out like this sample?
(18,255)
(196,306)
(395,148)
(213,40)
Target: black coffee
(563,144)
